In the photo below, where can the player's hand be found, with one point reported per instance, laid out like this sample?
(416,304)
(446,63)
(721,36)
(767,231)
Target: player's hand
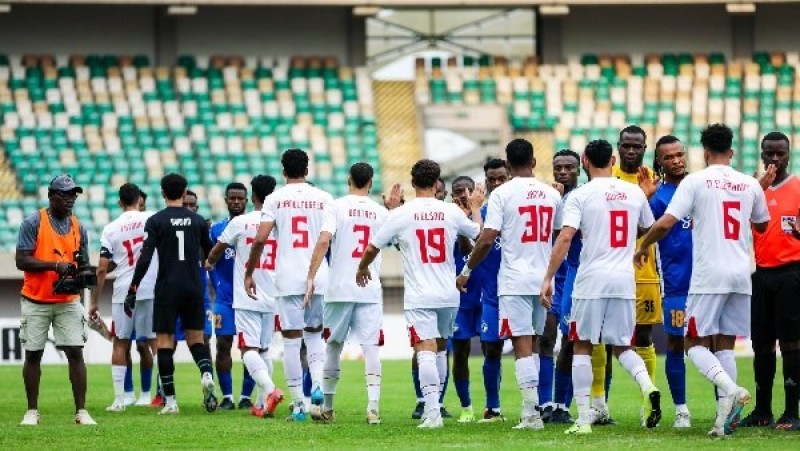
(476,197)
(94,311)
(363,277)
(558,187)
(795,223)
(250,286)
(768,178)
(395,198)
(208,266)
(130,304)
(640,257)
(309,293)
(461,283)
(646,183)
(546,295)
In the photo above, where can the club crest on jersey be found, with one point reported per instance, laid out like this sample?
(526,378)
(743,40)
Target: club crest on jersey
(687,223)
(180,222)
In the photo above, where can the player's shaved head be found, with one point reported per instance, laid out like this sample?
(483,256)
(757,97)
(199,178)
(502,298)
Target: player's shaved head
(425,173)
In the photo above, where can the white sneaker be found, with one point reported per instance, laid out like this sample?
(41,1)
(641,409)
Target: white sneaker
(116,406)
(432,423)
(530,422)
(144,400)
(83,417)
(31,418)
(170,410)
(682,420)
(373,417)
(129,399)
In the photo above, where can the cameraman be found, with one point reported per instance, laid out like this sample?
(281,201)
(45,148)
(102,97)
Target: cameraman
(47,242)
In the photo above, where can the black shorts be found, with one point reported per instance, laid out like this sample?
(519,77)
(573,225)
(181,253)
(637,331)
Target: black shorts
(775,307)
(173,302)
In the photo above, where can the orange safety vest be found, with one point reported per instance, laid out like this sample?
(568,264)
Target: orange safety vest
(51,247)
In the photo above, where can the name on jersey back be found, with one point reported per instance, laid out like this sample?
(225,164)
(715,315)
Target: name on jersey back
(131,226)
(358,213)
(301,204)
(429,216)
(726,185)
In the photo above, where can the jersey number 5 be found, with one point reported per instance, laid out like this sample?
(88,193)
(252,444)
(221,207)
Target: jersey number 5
(539,225)
(431,239)
(129,245)
(731,226)
(300,233)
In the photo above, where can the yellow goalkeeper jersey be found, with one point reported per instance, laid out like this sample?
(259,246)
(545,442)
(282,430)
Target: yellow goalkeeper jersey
(648,273)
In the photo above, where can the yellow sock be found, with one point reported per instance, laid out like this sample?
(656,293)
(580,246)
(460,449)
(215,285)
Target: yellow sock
(648,354)
(598,371)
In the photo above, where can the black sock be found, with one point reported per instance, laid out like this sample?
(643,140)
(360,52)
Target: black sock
(166,370)
(791,380)
(764,368)
(202,357)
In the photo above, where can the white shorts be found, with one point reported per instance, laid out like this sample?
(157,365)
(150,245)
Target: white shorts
(712,314)
(430,323)
(521,315)
(122,326)
(356,322)
(254,329)
(294,317)
(608,321)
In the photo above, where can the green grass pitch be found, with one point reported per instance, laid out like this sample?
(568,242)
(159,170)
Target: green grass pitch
(140,427)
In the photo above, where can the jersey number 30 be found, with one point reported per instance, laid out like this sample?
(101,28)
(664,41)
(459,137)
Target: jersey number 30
(539,225)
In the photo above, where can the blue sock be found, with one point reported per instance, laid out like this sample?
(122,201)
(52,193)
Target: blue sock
(417,388)
(608,384)
(129,380)
(444,387)
(562,381)
(248,384)
(491,382)
(462,388)
(307,383)
(225,383)
(569,393)
(146,374)
(676,376)
(546,367)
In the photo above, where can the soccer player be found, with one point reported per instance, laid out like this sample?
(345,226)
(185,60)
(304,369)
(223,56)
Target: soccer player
(607,213)
(496,174)
(675,258)
(254,317)
(523,212)
(631,147)
(719,200)
(179,235)
(425,230)
(295,212)
(120,246)
(351,312)
(222,281)
(775,310)
(468,318)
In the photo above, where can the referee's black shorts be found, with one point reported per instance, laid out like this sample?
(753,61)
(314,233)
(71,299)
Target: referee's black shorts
(175,301)
(775,307)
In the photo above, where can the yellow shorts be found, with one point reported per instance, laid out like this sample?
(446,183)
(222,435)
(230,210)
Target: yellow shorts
(648,303)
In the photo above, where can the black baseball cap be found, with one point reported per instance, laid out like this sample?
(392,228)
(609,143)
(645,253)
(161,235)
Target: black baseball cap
(65,184)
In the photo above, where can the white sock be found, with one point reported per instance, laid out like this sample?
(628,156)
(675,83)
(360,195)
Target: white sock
(635,366)
(118,378)
(710,367)
(528,381)
(293,369)
(441,368)
(372,371)
(170,401)
(599,403)
(582,385)
(258,371)
(728,362)
(315,355)
(429,381)
(330,373)
(267,360)
(682,408)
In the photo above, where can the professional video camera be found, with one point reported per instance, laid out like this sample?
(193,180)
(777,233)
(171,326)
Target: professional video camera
(80,276)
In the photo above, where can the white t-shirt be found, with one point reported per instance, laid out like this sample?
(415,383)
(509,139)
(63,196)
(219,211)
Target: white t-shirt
(426,229)
(240,234)
(297,210)
(352,220)
(721,202)
(525,211)
(607,211)
(123,238)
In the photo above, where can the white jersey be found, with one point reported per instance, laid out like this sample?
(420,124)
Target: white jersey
(352,220)
(122,241)
(426,229)
(240,234)
(607,212)
(297,210)
(721,202)
(525,211)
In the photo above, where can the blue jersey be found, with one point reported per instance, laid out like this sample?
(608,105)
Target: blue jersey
(675,250)
(204,284)
(489,268)
(472,298)
(222,275)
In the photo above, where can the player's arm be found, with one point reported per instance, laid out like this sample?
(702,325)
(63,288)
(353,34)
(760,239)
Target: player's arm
(481,249)
(657,232)
(387,233)
(215,254)
(102,272)
(759,215)
(363,275)
(475,199)
(560,249)
(264,229)
(24,259)
(320,249)
(149,246)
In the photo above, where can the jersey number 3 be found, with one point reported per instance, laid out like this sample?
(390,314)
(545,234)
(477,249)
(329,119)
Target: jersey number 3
(539,225)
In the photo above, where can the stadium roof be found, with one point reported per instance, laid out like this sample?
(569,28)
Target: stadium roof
(397,3)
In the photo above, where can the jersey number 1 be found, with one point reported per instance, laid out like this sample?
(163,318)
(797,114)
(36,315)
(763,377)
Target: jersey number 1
(432,239)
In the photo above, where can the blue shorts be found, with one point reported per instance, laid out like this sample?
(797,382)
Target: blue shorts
(566,300)
(490,322)
(468,323)
(675,315)
(558,293)
(224,320)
